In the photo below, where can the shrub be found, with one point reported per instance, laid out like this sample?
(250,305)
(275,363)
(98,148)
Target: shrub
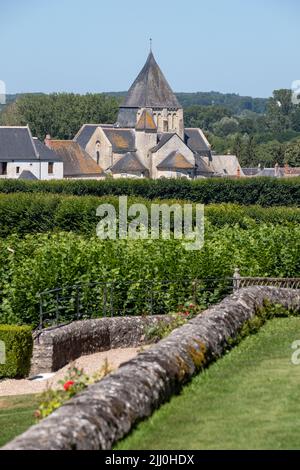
(263,191)
(22,213)
(138,269)
(18,350)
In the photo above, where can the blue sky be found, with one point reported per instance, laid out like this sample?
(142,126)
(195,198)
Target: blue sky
(241,46)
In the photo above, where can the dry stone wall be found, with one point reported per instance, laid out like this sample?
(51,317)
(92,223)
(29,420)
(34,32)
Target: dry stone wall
(106,411)
(56,347)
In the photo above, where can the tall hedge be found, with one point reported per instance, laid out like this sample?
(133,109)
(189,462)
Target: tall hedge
(22,213)
(17,350)
(263,191)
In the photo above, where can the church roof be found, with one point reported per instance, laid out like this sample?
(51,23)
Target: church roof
(130,162)
(196,141)
(150,89)
(162,140)
(175,160)
(146,122)
(122,140)
(85,133)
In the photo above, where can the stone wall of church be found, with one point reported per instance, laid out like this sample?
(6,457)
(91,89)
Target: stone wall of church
(100,143)
(169,120)
(175,143)
(144,142)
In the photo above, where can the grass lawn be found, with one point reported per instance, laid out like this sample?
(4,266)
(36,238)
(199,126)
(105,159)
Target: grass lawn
(16,415)
(249,399)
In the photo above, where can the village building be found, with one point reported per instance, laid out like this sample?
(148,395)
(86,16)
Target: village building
(77,163)
(149,138)
(25,157)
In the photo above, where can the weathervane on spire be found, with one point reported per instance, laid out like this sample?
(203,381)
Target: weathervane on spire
(150,44)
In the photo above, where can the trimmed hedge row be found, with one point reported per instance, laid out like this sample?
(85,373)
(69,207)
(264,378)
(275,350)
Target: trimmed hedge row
(16,349)
(23,213)
(263,191)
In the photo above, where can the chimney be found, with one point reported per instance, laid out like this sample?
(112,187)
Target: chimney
(47,140)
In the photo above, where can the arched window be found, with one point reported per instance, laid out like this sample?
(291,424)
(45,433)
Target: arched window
(159,121)
(174,121)
(170,121)
(97,152)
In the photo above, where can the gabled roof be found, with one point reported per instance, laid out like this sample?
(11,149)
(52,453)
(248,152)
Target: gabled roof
(84,134)
(122,140)
(45,153)
(274,172)
(251,171)
(162,140)
(176,161)
(16,143)
(196,141)
(201,167)
(27,175)
(226,165)
(77,162)
(150,89)
(130,162)
(146,122)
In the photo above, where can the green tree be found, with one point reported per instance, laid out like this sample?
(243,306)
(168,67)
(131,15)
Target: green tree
(292,153)
(60,114)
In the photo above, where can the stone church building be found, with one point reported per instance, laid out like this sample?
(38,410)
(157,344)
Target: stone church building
(149,139)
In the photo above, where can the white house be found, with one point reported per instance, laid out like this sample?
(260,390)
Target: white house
(25,157)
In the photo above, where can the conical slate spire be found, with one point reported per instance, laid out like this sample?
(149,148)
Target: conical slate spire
(150,89)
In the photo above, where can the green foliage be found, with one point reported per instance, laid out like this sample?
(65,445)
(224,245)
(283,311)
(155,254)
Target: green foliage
(59,114)
(22,213)
(75,381)
(262,191)
(44,261)
(18,350)
(292,153)
(185,312)
(267,312)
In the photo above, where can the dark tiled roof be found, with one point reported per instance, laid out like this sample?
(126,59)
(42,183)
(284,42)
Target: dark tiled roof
(146,122)
(250,171)
(150,89)
(201,168)
(175,160)
(77,162)
(45,153)
(194,140)
(27,175)
(271,172)
(127,117)
(162,140)
(84,134)
(122,140)
(127,164)
(16,143)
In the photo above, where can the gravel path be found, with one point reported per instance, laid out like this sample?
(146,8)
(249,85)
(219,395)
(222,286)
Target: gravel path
(90,364)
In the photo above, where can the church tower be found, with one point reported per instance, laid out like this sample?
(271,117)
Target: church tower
(150,103)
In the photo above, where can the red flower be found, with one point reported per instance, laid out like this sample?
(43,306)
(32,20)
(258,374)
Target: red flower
(68,384)
(191,305)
